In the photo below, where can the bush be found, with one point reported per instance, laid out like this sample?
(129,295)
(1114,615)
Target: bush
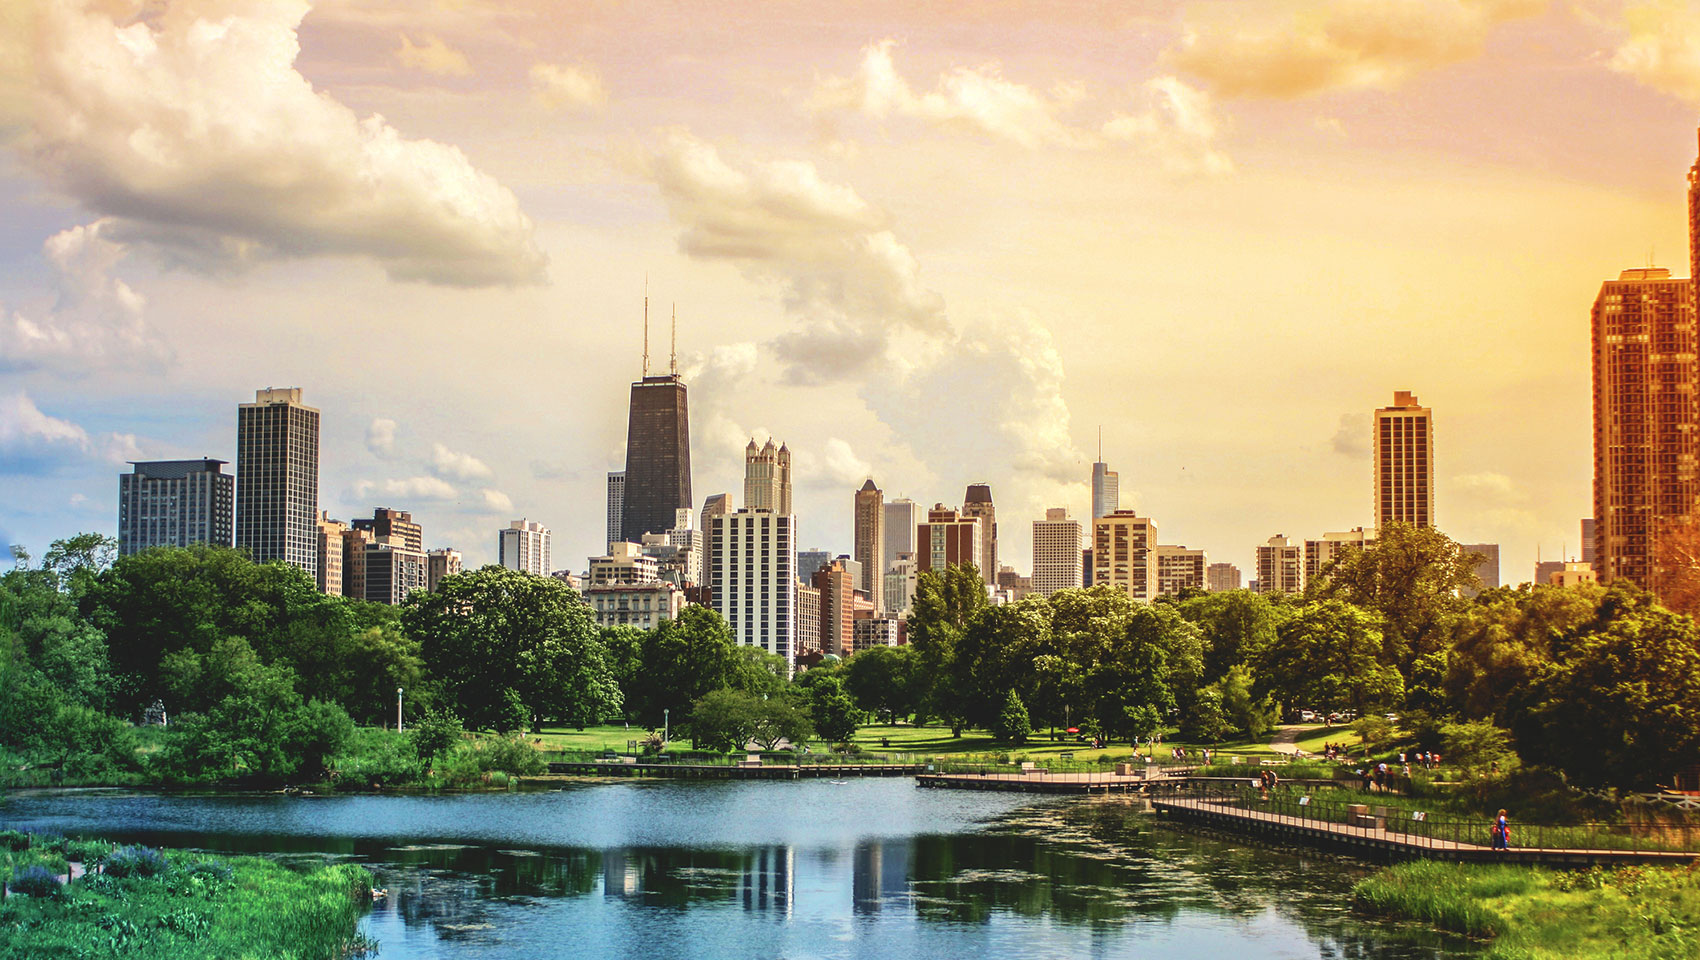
(36,881)
(136,862)
(14,840)
(435,734)
(378,758)
(1375,731)
(1012,724)
(511,755)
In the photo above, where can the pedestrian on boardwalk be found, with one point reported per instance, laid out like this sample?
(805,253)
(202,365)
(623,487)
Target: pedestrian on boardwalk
(1501,833)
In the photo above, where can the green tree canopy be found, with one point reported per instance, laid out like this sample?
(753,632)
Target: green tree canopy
(1328,657)
(883,681)
(1411,577)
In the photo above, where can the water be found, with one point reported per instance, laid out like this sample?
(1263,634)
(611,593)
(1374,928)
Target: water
(866,869)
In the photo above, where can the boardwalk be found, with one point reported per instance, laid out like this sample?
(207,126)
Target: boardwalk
(1379,842)
(721,771)
(1169,780)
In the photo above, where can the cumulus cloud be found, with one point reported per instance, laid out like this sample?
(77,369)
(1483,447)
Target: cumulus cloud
(1179,129)
(457,466)
(1488,488)
(1662,50)
(380,437)
(97,321)
(416,488)
(567,86)
(835,467)
(433,56)
(1352,438)
(497,500)
(195,133)
(1287,48)
(33,442)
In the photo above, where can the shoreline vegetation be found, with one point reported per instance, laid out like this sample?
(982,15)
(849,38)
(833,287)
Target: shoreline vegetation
(75,898)
(1532,913)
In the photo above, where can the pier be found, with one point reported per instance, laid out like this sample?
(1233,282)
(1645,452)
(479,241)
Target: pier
(742,771)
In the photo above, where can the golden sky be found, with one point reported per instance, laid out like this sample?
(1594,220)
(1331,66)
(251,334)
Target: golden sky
(934,243)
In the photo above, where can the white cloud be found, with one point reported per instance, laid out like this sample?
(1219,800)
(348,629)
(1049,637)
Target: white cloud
(457,466)
(1295,48)
(195,133)
(420,488)
(1662,50)
(567,86)
(835,467)
(1179,129)
(33,442)
(380,437)
(1488,487)
(497,500)
(97,321)
(433,56)
(1352,437)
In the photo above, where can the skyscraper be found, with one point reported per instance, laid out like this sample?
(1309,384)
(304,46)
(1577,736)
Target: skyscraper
(658,450)
(1106,488)
(173,503)
(1645,418)
(1124,554)
(1280,566)
(1222,576)
(947,539)
(1404,463)
(901,517)
(331,533)
(1487,571)
(870,541)
(767,477)
(1320,553)
(1179,568)
(752,577)
(616,504)
(837,589)
(387,522)
(977,503)
(524,545)
(1056,552)
(277,479)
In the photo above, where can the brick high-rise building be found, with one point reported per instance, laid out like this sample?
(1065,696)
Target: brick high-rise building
(1056,553)
(837,587)
(870,541)
(388,522)
(978,503)
(331,533)
(1403,449)
(1222,576)
(439,564)
(174,503)
(1280,566)
(1124,554)
(1179,568)
(947,539)
(1645,418)
(277,479)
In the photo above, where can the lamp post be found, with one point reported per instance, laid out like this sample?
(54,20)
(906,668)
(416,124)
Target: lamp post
(397,709)
(666,723)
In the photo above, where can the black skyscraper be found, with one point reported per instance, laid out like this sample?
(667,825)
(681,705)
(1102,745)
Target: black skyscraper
(658,457)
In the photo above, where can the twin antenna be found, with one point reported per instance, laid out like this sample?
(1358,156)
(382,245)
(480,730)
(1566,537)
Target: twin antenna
(673,362)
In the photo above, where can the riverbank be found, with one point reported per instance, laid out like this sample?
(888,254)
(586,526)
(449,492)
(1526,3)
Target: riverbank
(1528,913)
(89,898)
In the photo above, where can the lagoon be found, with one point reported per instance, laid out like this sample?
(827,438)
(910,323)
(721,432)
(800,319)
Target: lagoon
(809,869)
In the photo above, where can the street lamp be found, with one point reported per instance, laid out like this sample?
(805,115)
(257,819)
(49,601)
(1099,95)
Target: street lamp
(397,709)
(666,723)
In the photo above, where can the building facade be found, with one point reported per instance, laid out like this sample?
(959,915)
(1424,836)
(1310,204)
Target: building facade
(1486,569)
(947,539)
(392,570)
(875,631)
(623,563)
(837,586)
(1222,576)
(1178,569)
(616,505)
(1106,490)
(1646,420)
(808,618)
(901,518)
(870,540)
(1056,553)
(1280,566)
(1403,448)
(901,579)
(331,533)
(387,523)
(978,504)
(658,456)
(641,605)
(440,563)
(277,479)
(767,477)
(1124,554)
(1320,553)
(174,503)
(524,545)
(752,576)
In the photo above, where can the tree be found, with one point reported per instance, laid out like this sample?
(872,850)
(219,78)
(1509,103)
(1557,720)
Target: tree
(1328,657)
(1620,703)
(683,660)
(1504,641)
(435,733)
(835,714)
(623,646)
(1238,625)
(944,603)
(1412,577)
(1242,708)
(1133,678)
(497,637)
(1012,725)
(782,719)
(882,680)
(1205,721)
(1676,565)
(995,655)
(78,559)
(723,720)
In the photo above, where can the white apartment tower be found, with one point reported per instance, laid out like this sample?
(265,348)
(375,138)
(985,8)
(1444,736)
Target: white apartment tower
(524,545)
(1056,553)
(277,479)
(752,576)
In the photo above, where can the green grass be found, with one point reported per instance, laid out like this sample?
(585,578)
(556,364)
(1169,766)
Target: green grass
(200,908)
(1633,913)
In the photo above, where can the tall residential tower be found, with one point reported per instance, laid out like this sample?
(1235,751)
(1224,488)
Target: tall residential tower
(1404,462)
(870,541)
(277,479)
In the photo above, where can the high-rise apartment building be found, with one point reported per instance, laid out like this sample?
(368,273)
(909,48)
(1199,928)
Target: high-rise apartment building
(1588,541)
(752,577)
(1280,566)
(331,533)
(1486,569)
(1403,448)
(875,631)
(439,564)
(1178,569)
(977,503)
(277,479)
(658,450)
(1646,419)
(767,477)
(623,563)
(808,618)
(1056,552)
(616,504)
(1011,585)
(870,541)
(524,545)
(947,539)
(1320,553)
(392,570)
(808,561)
(901,579)
(837,588)
(1222,576)
(901,518)
(174,503)
(354,562)
(1124,554)
(386,523)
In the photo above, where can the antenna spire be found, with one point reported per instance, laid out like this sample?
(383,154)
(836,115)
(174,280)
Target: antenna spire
(646,324)
(673,364)
(1100,443)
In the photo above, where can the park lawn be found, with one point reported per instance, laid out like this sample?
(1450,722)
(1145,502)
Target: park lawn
(1316,735)
(611,736)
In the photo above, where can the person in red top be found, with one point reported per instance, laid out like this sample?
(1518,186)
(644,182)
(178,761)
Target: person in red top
(1501,833)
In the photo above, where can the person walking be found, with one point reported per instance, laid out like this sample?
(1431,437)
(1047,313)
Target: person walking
(1501,833)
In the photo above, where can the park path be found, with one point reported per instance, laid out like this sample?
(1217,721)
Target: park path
(1286,739)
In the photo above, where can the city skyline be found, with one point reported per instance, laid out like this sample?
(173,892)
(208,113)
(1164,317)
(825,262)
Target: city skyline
(121,339)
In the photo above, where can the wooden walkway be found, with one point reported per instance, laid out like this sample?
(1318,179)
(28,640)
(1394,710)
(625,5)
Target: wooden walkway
(1170,780)
(1383,844)
(711,771)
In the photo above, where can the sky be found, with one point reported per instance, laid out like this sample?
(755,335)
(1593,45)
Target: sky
(931,243)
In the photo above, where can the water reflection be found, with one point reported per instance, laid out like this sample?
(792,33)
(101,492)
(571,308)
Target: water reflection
(1058,878)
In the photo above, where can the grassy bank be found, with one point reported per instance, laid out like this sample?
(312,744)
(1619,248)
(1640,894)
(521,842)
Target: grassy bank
(1529,913)
(145,904)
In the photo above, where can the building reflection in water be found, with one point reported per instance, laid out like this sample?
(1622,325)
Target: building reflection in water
(762,879)
(879,876)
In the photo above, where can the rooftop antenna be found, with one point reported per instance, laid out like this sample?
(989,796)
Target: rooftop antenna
(1100,443)
(646,324)
(673,364)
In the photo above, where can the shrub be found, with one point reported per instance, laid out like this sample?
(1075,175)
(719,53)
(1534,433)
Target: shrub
(1012,725)
(510,755)
(136,862)
(14,840)
(36,881)
(211,869)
